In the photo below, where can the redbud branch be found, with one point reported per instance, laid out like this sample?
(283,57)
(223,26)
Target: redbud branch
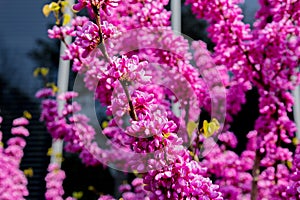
(132,112)
(102,47)
(64,41)
(101,44)
(255,174)
(278,143)
(187,109)
(186,119)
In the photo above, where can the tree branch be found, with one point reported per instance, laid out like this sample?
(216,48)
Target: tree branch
(132,112)
(255,174)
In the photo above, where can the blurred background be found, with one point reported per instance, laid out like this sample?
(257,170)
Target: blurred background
(24,46)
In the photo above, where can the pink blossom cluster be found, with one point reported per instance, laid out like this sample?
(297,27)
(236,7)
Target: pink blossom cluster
(231,37)
(168,50)
(54,180)
(266,58)
(134,14)
(60,32)
(68,125)
(183,179)
(12,180)
(125,69)
(95,4)
(122,85)
(87,37)
(234,180)
(293,190)
(132,191)
(135,190)
(138,68)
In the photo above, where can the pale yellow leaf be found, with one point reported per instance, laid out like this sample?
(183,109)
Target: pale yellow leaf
(46,10)
(50,152)
(191,126)
(36,72)
(67,19)
(44,71)
(28,172)
(54,6)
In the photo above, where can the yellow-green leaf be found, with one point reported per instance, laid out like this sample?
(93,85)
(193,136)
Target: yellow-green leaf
(58,155)
(91,188)
(77,195)
(166,135)
(44,71)
(289,164)
(191,126)
(295,141)
(135,172)
(205,128)
(104,124)
(67,19)
(50,152)
(46,10)
(216,122)
(64,3)
(28,172)
(57,21)
(53,86)
(27,114)
(36,72)
(210,128)
(192,153)
(54,6)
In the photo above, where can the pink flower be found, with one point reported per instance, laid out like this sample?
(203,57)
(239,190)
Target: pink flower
(17,141)
(45,92)
(61,32)
(103,4)
(87,37)
(22,121)
(68,96)
(106,197)
(20,131)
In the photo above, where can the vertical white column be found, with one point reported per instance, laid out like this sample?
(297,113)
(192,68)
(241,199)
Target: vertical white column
(176,26)
(62,84)
(296,109)
(176,15)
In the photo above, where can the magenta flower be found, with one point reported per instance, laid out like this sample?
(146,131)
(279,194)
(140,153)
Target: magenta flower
(61,32)
(87,37)
(43,93)
(103,4)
